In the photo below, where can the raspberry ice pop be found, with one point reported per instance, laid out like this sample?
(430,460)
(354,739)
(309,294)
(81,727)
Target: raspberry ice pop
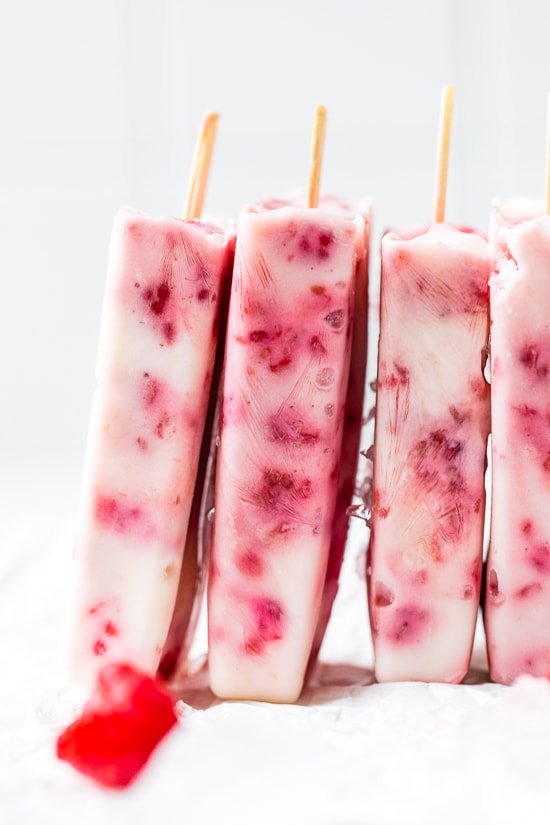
(517,605)
(156,354)
(286,375)
(353,414)
(432,421)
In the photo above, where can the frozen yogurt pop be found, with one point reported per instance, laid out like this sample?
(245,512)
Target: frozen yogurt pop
(286,376)
(432,422)
(517,605)
(353,410)
(154,369)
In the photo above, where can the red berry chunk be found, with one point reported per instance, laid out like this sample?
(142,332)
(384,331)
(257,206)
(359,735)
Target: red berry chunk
(124,720)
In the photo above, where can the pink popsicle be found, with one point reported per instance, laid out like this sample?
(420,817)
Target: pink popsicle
(353,415)
(286,376)
(517,605)
(156,354)
(432,421)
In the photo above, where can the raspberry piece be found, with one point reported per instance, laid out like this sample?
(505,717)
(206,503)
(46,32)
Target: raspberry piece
(120,726)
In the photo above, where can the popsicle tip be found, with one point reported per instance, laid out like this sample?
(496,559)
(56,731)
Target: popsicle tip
(547,181)
(200,169)
(443,151)
(316,157)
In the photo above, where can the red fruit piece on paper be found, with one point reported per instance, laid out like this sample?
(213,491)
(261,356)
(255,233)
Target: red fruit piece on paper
(119,728)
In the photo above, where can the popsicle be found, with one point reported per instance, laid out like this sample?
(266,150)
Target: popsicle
(156,354)
(353,412)
(431,428)
(517,604)
(286,375)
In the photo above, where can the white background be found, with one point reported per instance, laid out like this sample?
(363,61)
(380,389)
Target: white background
(100,102)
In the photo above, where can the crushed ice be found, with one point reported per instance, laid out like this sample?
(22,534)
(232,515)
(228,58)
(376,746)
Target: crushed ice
(58,707)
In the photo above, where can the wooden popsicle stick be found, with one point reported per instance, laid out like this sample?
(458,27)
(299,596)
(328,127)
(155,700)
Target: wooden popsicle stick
(547,192)
(443,147)
(200,169)
(316,159)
